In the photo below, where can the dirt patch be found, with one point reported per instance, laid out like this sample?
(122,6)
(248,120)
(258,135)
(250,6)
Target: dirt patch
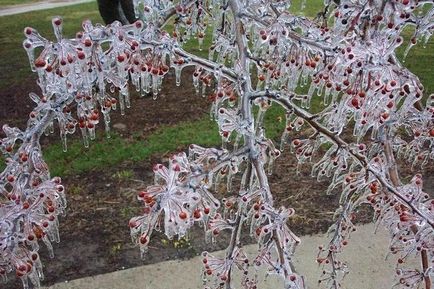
(94,233)
(173,105)
(15,103)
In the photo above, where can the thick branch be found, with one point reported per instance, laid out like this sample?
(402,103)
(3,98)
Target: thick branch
(288,104)
(208,64)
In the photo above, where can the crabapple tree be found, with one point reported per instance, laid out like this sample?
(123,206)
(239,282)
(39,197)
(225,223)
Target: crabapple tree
(369,110)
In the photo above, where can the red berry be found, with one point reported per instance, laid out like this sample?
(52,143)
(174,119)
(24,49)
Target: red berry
(81,55)
(355,102)
(57,21)
(143,240)
(165,68)
(138,24)
(87,42)
(121,57)
(40,63)
(183,215)
(197,214)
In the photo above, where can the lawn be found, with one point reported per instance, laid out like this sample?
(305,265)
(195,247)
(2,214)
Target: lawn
(14,65)
(102,152)
(5,3)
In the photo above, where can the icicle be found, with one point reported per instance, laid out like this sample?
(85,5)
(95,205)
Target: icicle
(229,181)
(212,111)
(25,282)
(135,79)
(155,86)
(91,132)
(196,83)
(283,139)
(211,54)
(270,165)
(51,127)
(28,46)
(57,27)
(237,141)
(200,39)
(407,50)
(84,135)
(178,71)
(203,90)
(122,103)
(126,94)
(260,117)
(64,142)
(107,130)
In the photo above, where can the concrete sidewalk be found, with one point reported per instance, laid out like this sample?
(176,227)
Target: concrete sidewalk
(365,255)
(47,4)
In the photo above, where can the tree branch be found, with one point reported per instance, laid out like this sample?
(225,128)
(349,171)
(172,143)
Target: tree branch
(288,104)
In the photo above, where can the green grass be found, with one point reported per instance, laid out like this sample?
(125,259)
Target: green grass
(14,64)
(5,3)
(109,152)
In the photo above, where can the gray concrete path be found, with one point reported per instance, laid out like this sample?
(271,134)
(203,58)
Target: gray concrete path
(365,255)
(47,4)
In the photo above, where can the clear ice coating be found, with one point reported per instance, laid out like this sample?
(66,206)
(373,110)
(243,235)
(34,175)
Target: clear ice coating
(261,56)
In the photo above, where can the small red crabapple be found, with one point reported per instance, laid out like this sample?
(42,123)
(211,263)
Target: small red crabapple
(87,42)
(182,215)
(355,102)
(143,239)
(57,21)
(39,63)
